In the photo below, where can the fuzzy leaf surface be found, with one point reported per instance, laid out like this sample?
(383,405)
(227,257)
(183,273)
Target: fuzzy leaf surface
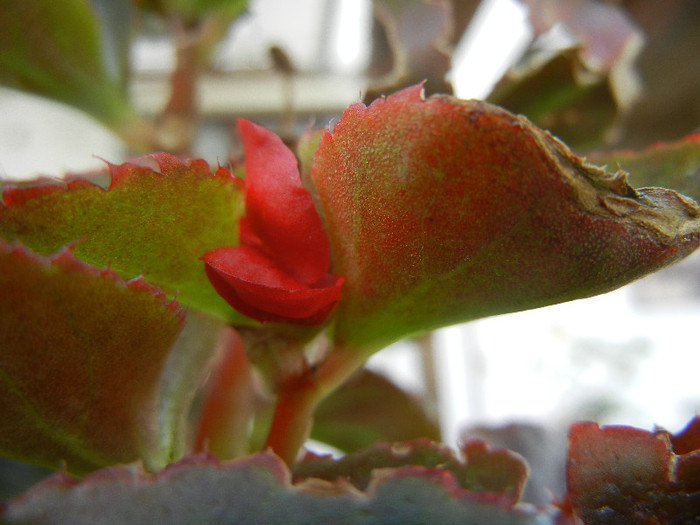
(151,221)
(258,489)
(442,210)
(81,356)
(622,474)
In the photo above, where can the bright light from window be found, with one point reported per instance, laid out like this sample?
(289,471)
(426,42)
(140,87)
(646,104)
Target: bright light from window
(352,24)
(497,36)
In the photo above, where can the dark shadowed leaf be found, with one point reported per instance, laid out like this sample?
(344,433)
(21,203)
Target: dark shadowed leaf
(604,32)
(496,471)
(369,408)
(442,210)
(81,358)
(626,475)
(54,49)
(670,107)
(673,164)
(415,45)
(155,222)
(258,489)
(551,95)
(578,87)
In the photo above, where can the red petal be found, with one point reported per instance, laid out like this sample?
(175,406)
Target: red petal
(279,210)
(255,286)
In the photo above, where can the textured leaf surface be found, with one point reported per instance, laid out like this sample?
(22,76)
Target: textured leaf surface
(53,49)
(155,222)
(673,164)
(81,354)
(443,210)
(628,475)
(258,490)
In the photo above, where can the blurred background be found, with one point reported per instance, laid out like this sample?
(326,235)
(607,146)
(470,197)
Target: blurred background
(604,76)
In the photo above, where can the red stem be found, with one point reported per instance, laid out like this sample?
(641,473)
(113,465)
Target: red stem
(298,398)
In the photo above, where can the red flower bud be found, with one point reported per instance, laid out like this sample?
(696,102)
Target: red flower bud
(279,272)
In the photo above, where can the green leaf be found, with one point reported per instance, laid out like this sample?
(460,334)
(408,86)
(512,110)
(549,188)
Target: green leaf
(53,49)
(81,358)
(258,489)
(443,210)
(673,164)
(193,9)
(369,408)
(155,222)
(580,92)
(554,98)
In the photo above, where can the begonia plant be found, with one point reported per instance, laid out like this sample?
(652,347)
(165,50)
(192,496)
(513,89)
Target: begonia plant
(169,341)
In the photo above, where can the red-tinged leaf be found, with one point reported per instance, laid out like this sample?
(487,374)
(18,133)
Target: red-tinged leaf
(495,470)
(626,475)
(82,353)
(155,222)
(673,164)
(688,439)
(498,472)
(258,489)
(369,408)
(442,210)
(54,49)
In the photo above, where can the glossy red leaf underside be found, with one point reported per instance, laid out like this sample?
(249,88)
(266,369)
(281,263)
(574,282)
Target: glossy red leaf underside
(280,271)
(626,475)
(441,210)
(81,357)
